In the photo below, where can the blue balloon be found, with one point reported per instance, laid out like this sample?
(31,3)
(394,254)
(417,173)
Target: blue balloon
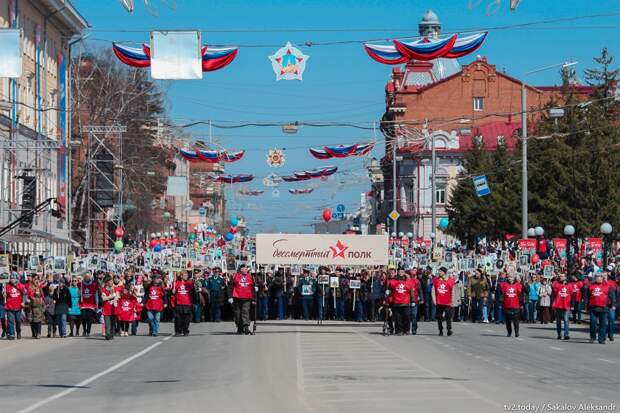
(229,236)
(157,248)
(443,223)
(234,222)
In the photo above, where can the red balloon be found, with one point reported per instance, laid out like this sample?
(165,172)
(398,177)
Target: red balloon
(535,259)
(153,243)
(119,232)
(327,215)
(233,230)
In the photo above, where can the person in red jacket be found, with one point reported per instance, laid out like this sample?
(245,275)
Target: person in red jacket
(14,302)
(599,303)
(182,291)
(109,299)
(399,291)
(155,296)
(243,289)
(511,292)
(442,297)
(576,287)
(561,298)
(125,310)
(88,302)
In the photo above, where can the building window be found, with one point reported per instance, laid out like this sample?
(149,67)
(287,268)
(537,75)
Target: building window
(478,104)
(440,195)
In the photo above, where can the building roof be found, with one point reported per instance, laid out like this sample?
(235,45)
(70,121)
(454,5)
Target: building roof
(67,14)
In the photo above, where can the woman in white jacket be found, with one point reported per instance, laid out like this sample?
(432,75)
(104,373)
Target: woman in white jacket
(544,292)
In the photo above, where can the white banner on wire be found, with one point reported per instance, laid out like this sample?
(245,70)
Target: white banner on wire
(176,55)
(321,249)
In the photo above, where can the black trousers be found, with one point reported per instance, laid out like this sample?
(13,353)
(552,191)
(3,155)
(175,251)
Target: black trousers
(401,318)
(182,318)
(242,313)
(441,312)
(512,319)
(88,316)
(110,326)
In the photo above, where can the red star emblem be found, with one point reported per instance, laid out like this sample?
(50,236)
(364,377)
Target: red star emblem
(338,250)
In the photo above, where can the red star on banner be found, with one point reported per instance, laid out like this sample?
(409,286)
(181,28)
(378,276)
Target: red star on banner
(338,250)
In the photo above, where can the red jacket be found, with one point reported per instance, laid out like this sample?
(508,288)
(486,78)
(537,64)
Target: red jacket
(107,308)
(443,290)
(511,294)
(243,286)
(576,288)
(88,298)
(126,308)
(14,296)
(183,291)
(562,294)
(155,298)
(414,285)
(400,291)
(599,294)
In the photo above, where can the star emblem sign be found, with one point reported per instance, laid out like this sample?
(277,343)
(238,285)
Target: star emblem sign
(338,250)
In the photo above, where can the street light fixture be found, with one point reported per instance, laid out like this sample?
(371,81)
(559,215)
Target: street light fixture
(569,231)
(530,233)
(539,231)
(524,195)
(606,230)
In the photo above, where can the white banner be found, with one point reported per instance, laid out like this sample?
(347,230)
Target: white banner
(321,249)
(176,55)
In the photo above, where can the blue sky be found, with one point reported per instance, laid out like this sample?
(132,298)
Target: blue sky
(341,82)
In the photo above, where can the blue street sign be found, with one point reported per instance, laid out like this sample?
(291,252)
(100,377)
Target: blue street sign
(202,211)
(340,208)
(481,185)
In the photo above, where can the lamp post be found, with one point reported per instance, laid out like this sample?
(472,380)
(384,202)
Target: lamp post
(530,233)
(524,196)
(606,230)
(569,231)
(538,232)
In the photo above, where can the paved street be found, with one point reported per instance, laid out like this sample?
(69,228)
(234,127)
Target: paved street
(298,366)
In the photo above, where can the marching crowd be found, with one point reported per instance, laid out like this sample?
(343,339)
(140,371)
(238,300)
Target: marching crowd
(400,297)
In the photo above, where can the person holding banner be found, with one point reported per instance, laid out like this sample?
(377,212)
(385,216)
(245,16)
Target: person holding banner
(442,297)
(307,288)
(155,303)
(576,287)
(109,298)
(511,293)
(243,289)
(414,286)
(215,288)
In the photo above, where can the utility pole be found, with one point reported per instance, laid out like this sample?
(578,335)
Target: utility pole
(433,193)
(394,143)
(524,212)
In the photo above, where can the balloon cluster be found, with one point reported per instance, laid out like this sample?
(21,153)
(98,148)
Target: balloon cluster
(159,240)
(230,235)
(118,244)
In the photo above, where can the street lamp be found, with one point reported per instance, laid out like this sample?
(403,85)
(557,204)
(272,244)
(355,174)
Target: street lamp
(606,230)
(569,231)
(531,233)
(539,231)
(524,195)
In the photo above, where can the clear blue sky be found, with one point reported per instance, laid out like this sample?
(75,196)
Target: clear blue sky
(341,82)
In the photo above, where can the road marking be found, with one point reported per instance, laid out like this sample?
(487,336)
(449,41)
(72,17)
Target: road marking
(489,331)
(556,348)
(519,338)
(167,338)
(300,368)
(607,361)
(89,380)
(560,386)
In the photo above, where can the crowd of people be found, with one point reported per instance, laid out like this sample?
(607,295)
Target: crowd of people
(399,296)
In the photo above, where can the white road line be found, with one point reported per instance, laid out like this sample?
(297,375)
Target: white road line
(607,361)
(89,380)
(300,368)
(556,348)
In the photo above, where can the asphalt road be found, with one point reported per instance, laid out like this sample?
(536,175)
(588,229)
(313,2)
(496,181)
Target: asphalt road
(299,366)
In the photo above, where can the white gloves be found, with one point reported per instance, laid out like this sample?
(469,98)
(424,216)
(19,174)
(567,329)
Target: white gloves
(255,289)
(387,292)
(230,301)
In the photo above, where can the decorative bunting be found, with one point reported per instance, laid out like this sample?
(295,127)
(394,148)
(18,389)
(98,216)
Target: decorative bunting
(211,156)
(342,151)
(300,191)
(231,179)
(424,49)
(311,174)
(250,193)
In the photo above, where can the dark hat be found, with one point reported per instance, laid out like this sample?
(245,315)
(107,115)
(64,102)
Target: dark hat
(443,269)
